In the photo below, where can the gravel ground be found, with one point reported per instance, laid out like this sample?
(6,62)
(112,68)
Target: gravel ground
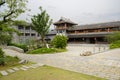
(105,64)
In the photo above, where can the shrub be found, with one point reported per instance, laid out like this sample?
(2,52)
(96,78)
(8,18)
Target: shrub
(115,44)
(22,46)
(113,37)
(11,61)
(59,41)
(5,39)
(1,57)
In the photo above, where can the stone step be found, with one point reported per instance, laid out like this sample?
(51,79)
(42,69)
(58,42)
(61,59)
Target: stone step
(22,68)
(15,68)
(10,70)
(26,67)
(4,73)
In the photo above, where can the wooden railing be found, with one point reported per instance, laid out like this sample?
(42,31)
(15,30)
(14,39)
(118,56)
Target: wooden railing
(76,32)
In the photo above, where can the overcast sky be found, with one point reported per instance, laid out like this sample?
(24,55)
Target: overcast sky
(79,11)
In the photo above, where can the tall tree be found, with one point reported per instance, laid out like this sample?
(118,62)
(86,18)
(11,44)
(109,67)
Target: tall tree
(41,24)
(9,10)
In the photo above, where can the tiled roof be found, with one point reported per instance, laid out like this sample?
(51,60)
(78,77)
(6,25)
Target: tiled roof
(64,20)
(93,26)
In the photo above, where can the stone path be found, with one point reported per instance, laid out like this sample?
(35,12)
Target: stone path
(106,64)
(14,69)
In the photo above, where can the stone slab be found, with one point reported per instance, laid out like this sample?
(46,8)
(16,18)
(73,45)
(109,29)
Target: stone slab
(10,70)
(33,66)
(4,73)
(24,69)
(15,68)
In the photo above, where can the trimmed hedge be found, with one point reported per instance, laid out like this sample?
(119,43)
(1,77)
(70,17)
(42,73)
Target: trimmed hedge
(22,46)
(115,44)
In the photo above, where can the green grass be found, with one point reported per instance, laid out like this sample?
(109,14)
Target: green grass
(46,51)
(12,62)
(48,73)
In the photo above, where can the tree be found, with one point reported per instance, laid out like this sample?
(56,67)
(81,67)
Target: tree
(114,40)
(9,10)
(41,24)
(113,37)
(59,41)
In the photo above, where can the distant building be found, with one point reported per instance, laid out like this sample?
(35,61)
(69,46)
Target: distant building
(93,33)
(27,33)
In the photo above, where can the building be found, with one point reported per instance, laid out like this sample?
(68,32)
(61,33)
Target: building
(92,33)
(27,34)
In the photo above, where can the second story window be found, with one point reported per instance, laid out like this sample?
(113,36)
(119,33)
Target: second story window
(27,28)
(32,34)
(20,27)
(27,34)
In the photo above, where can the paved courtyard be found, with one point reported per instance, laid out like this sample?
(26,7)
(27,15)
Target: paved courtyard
(105,64)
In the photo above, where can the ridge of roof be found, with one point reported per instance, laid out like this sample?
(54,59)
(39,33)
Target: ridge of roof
(64,20)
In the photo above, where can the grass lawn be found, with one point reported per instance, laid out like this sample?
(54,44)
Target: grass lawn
(12,62)
(48,73)
(46,51)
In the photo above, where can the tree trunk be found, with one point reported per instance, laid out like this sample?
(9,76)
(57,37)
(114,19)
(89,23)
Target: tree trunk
(43,42)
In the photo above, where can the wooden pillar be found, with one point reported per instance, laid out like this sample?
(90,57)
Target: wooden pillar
(108,30)
(95,40)
(75,32)
(65,25)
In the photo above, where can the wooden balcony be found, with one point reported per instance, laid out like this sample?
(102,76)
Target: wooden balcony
(88,31)
(58,28)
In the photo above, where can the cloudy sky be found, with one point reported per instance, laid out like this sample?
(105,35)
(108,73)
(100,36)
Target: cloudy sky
(79,11)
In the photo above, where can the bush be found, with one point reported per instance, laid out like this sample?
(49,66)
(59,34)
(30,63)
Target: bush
(115,44)
(5,39)
(22,46)
(59,41)
(1,57)
(113,37)
(11,61)
(46,50)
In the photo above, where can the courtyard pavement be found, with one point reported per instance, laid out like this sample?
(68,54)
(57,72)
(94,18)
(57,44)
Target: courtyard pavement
(104,63)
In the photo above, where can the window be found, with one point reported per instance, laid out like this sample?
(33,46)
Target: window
(27,34)
(20,27)
(33,34)
(22,34)
(27,28)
